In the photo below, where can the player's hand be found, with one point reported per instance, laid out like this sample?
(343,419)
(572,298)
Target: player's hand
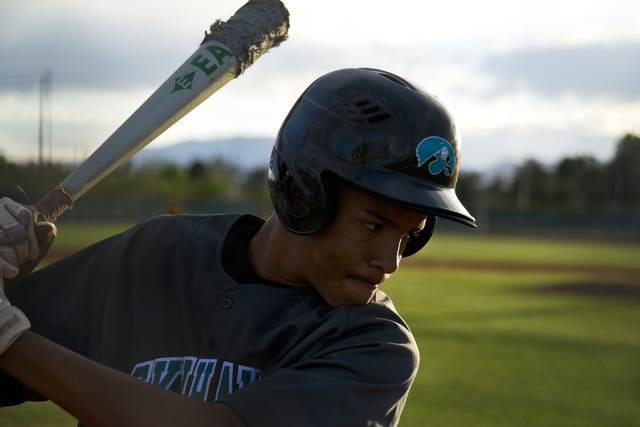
(13,322)
(23,242)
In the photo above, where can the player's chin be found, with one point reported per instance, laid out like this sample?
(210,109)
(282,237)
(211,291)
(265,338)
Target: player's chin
(360,292)
(350,302)
(349,299)
(348,291)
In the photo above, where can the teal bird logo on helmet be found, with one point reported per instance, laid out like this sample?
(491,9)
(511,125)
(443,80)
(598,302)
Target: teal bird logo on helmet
(439,154)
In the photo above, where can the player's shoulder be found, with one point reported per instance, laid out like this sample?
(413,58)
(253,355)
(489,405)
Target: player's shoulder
(383,307)
(165,230)
(182,225)
(379,328)
(381,319)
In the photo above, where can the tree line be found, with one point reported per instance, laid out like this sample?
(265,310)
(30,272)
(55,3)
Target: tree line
(579,183)
(217,180)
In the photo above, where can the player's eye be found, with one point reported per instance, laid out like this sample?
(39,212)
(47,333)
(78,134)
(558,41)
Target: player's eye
(413,234)
(373,226)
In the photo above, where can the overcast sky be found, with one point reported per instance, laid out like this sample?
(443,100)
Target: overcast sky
(543,79)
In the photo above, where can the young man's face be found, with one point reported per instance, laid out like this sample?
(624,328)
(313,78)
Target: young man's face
(363,245)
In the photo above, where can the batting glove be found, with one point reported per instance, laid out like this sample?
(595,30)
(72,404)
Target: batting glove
(13,322)
(23,242)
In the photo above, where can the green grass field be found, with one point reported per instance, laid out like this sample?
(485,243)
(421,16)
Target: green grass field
(498,346)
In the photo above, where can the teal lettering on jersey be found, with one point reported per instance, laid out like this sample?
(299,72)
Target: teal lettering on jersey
(187,371)
(196,375)
(202,378)
(143,371)
(225,385)
(247,375)
(165,371)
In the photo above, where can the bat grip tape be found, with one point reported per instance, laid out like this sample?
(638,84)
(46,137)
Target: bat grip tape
(53,204)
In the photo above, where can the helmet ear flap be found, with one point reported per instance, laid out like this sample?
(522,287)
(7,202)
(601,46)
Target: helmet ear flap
(281,182)
(417,242)
(309,206)
(296,195)
(331,195)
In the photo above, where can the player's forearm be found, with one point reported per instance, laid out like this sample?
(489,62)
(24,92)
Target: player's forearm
(99,396)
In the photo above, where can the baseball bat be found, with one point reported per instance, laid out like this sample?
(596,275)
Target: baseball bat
(226,51)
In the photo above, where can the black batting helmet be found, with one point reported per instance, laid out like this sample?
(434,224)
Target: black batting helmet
(375,132)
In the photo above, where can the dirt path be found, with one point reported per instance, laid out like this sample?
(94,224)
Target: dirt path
(601,285)
(621,282)
(521,266)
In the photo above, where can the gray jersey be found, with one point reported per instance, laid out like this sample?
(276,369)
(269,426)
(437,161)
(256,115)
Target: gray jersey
(156,303)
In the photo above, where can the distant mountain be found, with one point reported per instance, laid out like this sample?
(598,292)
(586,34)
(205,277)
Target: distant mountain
(246,153)
(253,153)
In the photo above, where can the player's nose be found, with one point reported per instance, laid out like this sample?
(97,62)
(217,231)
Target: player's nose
(387,256)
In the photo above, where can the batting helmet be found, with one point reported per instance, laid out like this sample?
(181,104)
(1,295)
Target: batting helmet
(375,132)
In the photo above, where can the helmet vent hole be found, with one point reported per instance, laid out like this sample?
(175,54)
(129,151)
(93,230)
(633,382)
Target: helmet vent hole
(379,118)
(364,109)
(368,112)
(396,80)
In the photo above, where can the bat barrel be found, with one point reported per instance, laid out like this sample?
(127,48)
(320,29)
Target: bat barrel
(255,28)
(199,77)
(225,53)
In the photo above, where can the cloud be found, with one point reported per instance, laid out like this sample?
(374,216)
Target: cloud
(491,150)
(90,44)
(589,71)
(80,58)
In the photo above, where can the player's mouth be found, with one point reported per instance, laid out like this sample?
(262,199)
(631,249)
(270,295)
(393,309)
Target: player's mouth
(370,285)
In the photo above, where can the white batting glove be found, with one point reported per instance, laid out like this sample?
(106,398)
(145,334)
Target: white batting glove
(13,322)
(18,237)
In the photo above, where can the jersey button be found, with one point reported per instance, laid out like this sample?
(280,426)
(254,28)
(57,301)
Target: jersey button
(211,343)
(227,303)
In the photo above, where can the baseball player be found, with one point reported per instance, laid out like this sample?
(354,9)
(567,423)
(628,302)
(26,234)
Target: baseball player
(229,320)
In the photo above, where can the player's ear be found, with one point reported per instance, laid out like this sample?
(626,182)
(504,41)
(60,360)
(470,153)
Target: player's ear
(293,193)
